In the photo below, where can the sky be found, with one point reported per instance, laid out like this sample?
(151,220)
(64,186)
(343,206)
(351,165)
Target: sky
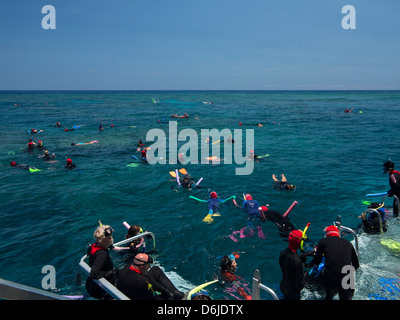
(200,45)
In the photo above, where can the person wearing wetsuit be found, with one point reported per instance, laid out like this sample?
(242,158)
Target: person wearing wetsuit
(293,276)
(187,181)
(228,268)
(282,184)
(213,202)
(100,262)
(31,145)
(69,164)
(40,145)
(371,223)
(20,166)
(338,252)
(394,182)
(137,243)
(137,282)
(251,207)
(144,155)
(283,223)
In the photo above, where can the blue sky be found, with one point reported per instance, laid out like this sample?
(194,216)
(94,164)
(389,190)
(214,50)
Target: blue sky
(199,45)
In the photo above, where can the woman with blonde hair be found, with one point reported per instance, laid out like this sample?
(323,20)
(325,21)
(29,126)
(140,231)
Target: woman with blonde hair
(100,262)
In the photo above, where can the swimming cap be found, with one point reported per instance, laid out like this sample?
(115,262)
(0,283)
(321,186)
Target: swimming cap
(332,231)
(213,195)
(13,163)
(296,235)
(264,208)
(249,196)
(295,238)
(69,161)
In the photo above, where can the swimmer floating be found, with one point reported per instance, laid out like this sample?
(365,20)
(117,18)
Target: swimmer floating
(187,181)
(213,205)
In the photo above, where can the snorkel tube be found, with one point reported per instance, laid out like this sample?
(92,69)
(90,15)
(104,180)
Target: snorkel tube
(304,237)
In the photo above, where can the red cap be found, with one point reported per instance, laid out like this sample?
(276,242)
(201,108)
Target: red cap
(264,208)
(332,231)
(13,163)
(69,161)
(213,195)
(249,196)
(295,238)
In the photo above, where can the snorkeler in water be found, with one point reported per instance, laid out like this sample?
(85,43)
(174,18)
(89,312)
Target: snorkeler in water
(82,143)
(282,184)
(69,164)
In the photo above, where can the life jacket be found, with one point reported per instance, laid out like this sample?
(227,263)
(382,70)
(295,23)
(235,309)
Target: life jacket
(94,248)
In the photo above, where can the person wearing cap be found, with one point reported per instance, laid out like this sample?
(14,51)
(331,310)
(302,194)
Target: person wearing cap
(69,164)
(213,202)
(252,156)
(144,155)
(31,145)
(40,145)
(338,252)
(251,207)
(394,183)
(20,166)
(100,262)
(292,267)
(140,282)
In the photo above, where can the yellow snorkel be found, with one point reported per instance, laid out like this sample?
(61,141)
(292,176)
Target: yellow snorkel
(304,237)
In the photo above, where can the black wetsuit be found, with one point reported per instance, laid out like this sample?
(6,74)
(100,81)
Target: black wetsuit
(293,277)
(139,287)
(282,222)
(394,182)
(338,252)
(101,266)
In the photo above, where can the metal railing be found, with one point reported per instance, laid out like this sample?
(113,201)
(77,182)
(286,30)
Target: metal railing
(257,285)
(102,282)
(338,224)
(15,291)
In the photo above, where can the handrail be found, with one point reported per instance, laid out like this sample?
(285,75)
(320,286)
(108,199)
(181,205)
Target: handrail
(102,282)
(140,235)
(370,210)
(257,285)
(15,291)
(338,224)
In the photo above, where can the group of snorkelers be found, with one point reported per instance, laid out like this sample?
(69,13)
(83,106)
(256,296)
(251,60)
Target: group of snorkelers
(46,155)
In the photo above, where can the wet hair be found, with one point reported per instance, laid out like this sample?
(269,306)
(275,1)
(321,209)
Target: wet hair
(133,231)
(226,263)
(100,233)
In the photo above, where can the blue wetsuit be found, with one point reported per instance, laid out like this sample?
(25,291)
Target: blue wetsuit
(251,207)
(213,204)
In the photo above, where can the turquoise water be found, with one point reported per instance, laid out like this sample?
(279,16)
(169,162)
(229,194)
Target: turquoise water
(333,158)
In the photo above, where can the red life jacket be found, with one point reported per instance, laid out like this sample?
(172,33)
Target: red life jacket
(94,248)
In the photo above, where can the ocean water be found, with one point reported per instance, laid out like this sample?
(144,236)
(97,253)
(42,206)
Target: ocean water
(334,159)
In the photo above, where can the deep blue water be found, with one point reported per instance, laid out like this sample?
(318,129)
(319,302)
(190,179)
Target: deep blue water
(333,158)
